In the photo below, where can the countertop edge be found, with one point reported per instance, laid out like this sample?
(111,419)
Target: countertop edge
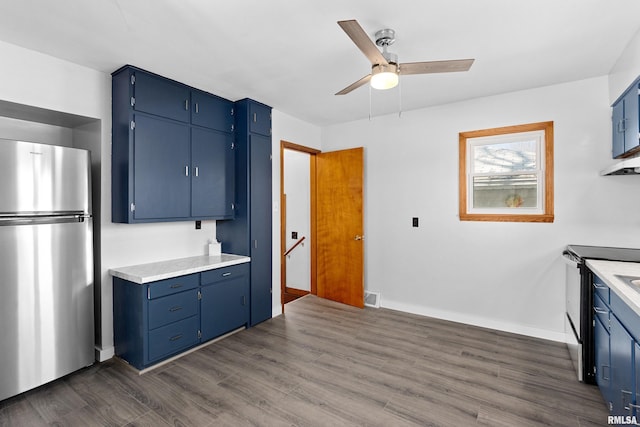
(607,270)
(151,272)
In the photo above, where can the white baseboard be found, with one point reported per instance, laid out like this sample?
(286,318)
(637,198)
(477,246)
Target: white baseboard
(103,354)
(475,321)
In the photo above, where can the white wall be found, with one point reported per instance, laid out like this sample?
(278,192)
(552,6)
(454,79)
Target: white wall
(506,276)
(626,69)
(291,129)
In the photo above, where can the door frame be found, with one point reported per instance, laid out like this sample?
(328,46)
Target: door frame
(283,214)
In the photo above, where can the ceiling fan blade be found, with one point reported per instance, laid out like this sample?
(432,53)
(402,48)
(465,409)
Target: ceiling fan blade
(355,85)
(429,67)
(362,40)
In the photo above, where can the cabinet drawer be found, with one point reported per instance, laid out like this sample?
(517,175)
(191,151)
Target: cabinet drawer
(172,308)
(601,311)
(171,286)
(173,337)
(160,96)
(224,273)
(601,289)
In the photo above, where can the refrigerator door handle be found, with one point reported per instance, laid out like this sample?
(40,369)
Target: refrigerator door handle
(56,219)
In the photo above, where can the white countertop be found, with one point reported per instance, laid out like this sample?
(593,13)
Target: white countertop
(607,270)
(145,273)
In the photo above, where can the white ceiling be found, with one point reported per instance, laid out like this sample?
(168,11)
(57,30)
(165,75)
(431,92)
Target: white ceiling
(292,55)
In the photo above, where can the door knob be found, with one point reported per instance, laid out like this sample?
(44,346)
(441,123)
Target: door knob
(358,237)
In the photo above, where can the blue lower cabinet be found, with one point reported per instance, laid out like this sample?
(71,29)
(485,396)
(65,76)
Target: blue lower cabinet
(158,320)
(172,338)
(603,364)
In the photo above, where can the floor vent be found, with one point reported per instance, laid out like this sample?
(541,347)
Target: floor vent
(372,299)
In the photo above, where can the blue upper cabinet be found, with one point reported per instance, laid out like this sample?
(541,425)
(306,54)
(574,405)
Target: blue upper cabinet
(161,174)
(259,118)
(625,123)
(172,150)
(211,111)
(212,183)
(161,97)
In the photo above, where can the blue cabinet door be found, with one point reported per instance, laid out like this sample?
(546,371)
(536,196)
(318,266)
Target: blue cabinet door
(161,172)
(603,364)
(626,123)
(259,118)
(260,223)
(224,306)
(621,368)
(617,126)
(211,111)
(212,182)
(160,96)
(631,119)
(636,403)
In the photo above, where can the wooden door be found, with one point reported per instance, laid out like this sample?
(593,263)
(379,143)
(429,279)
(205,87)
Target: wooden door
(339,226)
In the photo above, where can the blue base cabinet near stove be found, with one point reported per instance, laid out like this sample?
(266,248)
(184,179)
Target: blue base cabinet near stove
(158,320)
(617,351)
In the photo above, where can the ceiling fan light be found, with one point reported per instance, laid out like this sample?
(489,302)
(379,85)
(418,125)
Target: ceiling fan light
(384,76)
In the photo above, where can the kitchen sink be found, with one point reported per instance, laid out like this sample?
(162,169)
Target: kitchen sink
(632,281)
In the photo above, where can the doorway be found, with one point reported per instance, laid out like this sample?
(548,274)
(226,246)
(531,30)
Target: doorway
(321,191)
(297,202)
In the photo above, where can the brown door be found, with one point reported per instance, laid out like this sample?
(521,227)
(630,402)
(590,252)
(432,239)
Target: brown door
(339,226)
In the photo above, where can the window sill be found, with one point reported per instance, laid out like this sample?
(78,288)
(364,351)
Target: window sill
(506,218)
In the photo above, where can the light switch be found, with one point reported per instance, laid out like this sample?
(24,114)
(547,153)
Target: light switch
(415,221)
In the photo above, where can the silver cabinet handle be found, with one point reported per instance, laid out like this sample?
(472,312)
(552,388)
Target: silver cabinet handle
(600,310)
(255,117)
(197,110)
(197,171)
(226,274)
(186,104)
(186,171)
(176,286)
(595,285)
(175,337)
(172,309)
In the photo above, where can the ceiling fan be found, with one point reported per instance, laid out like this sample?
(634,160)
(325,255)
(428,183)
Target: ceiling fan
(385,69)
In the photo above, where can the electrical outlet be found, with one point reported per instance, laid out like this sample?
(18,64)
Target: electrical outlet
(415,221)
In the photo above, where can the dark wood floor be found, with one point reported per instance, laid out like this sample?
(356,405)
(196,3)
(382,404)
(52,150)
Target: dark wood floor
(326,364)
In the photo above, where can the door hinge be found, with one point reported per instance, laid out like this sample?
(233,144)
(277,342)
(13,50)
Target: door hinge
(199,295)
(133,101)
(199,334)
(133,207)
(232,112)
(233,127)
(133,125)
(133,79)
(233,206)
(233,145)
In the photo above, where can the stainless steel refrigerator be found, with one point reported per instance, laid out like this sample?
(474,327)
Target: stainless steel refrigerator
(46,264)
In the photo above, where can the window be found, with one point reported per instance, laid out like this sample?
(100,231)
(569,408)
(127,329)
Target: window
(506,174)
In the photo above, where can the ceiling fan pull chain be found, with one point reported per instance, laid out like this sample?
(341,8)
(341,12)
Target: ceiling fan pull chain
(369,102)
(399,99)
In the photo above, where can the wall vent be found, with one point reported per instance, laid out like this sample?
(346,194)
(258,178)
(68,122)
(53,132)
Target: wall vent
(372,299)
